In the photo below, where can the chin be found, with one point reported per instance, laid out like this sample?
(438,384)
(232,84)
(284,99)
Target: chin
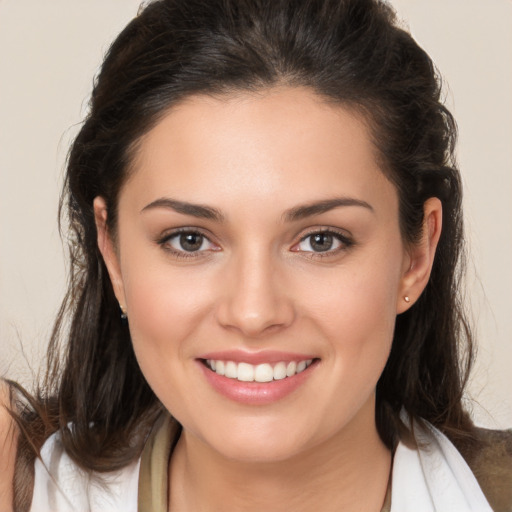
(260,451)
(261,440)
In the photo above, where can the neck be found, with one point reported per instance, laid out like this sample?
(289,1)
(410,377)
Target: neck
(348,472)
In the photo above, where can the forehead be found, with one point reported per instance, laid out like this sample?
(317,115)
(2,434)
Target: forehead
(288,144)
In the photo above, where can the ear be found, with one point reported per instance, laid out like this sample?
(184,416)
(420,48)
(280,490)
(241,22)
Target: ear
(418,265)
(108,250)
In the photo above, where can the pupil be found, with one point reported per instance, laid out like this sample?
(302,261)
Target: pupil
(191,241)
(321,242)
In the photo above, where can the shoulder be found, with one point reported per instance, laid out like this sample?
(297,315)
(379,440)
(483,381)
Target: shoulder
(8,443)
(60,484)
(471,468)
(490,459)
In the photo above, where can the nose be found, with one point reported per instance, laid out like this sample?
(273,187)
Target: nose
(254,301)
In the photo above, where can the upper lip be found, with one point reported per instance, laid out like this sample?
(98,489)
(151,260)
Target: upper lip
(264,356)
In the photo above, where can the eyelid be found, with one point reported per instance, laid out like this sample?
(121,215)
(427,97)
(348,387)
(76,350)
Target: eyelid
(345,238)
(163,241)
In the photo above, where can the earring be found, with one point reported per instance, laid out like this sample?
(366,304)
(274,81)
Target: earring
(407,299)
(124,316)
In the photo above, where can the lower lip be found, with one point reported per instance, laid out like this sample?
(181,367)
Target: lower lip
(255,393)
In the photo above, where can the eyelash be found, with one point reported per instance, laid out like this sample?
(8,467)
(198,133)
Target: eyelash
(166,239)
(345,243)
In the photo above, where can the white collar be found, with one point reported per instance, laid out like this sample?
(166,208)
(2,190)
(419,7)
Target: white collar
(433,477)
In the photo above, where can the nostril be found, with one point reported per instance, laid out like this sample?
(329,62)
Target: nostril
(255,320)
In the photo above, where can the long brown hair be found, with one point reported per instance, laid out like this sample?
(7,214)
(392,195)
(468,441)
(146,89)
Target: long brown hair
(348,51)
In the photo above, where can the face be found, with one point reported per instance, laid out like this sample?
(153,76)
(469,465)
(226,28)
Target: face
(260,261)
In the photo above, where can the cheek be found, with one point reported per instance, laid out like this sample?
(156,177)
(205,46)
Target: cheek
(355,309)
(167,312)
(165,307)
(356,301)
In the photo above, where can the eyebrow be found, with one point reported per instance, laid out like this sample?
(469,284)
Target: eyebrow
(318,207)
(291,215)
(196,210)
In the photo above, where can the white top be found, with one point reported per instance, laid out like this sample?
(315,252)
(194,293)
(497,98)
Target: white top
(432,478)
(61,486)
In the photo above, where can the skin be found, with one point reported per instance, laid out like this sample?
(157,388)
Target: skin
(8,442)
(256,284)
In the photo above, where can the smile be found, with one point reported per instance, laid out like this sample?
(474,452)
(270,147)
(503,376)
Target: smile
(257,378)
(265,372)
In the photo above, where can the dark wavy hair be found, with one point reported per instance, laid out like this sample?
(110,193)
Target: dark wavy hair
(350,52)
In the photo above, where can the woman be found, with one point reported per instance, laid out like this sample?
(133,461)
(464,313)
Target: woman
(267,231)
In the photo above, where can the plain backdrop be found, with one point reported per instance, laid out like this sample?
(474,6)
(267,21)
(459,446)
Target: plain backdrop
(49,53)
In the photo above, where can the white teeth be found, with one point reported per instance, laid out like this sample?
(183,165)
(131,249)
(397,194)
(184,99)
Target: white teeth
(231,370)
(245,372)
(264,372)
(280,371)
(219,367)
(291,369)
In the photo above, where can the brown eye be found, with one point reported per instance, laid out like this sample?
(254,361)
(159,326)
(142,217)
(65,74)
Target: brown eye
(325,242)
(191,241)
(188,241)
(321,242)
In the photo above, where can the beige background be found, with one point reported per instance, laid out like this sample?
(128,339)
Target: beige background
(49,52)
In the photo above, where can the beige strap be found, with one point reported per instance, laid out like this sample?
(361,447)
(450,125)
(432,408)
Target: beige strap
(154,465)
